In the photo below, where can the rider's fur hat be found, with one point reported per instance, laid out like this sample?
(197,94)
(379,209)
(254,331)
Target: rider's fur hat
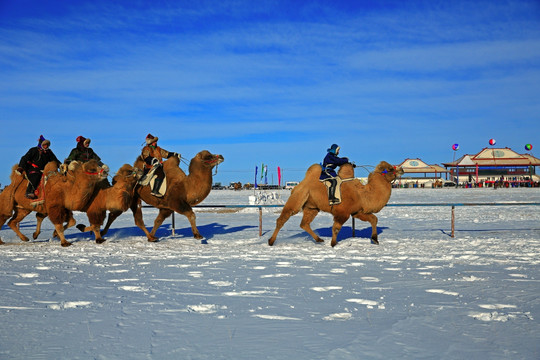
(82,139)
(150,139)
(334,149)
(43,141)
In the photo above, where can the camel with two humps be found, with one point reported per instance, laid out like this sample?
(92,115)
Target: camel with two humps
(15,206)
(357,200)
(183,191)
(71,192)
(115,199)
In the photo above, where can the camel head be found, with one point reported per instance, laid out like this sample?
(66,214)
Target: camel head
(127,173)
(206,159)
(89,168)
(389,172)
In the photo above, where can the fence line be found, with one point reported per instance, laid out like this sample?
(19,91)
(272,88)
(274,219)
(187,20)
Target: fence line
(453,205)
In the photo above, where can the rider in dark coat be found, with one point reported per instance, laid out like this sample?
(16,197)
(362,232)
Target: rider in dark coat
(83,152)
(330,163)
(33,163)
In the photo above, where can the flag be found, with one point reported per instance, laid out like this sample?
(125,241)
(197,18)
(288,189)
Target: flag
(265,174)
(279,175)
(256,169)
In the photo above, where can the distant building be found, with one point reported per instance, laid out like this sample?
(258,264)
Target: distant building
(492,164)
(414,169)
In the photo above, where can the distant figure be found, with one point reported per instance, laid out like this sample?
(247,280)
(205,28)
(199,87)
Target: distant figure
(330,163)
(33,163)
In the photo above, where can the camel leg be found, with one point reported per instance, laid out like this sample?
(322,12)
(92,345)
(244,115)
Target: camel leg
(58,215)
(192,220)
(309,215)
(110,219)
(17,217)
(372,219)
(292,207)
(39,218)
(3,219)
(336,228)
(97,234)
(60,233)
(138,217)
(163,214)
(69,220)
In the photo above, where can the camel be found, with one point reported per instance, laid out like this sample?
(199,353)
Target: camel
(116,199)
(183,191)
(70,192)
(358,200)
(14,203)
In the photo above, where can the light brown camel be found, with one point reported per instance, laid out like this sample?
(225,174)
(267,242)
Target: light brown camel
(360,201)
(15,204)
(70,192)
(183,191)
(116,199)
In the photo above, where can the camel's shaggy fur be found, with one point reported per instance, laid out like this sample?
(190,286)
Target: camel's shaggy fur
(70,192)
(15,205)
(360,201)
(116,199)
(183,191)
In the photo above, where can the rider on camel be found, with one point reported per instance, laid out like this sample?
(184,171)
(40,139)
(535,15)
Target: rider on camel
(33,163)
(83,153)
(152,156)
(330,163)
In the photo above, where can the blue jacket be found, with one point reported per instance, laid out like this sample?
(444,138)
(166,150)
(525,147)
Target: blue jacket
(330,163)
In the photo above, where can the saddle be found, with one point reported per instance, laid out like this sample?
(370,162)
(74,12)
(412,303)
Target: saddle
(150,178)
(333,188)
(39,192)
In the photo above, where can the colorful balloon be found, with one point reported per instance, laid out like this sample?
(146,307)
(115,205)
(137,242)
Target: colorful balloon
(492,141)
(455,147)
(528,147)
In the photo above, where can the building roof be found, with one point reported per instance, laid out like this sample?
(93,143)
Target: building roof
(417,166)
(495,157)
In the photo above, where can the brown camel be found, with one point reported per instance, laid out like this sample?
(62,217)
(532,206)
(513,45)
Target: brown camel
(15,204)
(70,192)
(183,191)
(116,199)
(360,201)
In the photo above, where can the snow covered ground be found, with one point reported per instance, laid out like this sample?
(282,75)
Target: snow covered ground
(420,294)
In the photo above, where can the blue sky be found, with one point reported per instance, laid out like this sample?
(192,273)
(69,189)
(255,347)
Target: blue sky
(274,82)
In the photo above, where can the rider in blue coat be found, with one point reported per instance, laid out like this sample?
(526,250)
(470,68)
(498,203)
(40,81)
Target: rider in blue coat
(330,163)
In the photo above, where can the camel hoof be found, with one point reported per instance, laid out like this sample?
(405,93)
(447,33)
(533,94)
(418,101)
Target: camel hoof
(35,236)
(271,242)
(374,240)
(24,238)
(81,227)
(334,243)
(66,244)
(100,241)
(153,239)
(198,236)
(319,240)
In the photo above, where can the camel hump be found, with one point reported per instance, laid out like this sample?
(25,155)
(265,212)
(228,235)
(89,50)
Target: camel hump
(14,175)
(314,171)
(172,170)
